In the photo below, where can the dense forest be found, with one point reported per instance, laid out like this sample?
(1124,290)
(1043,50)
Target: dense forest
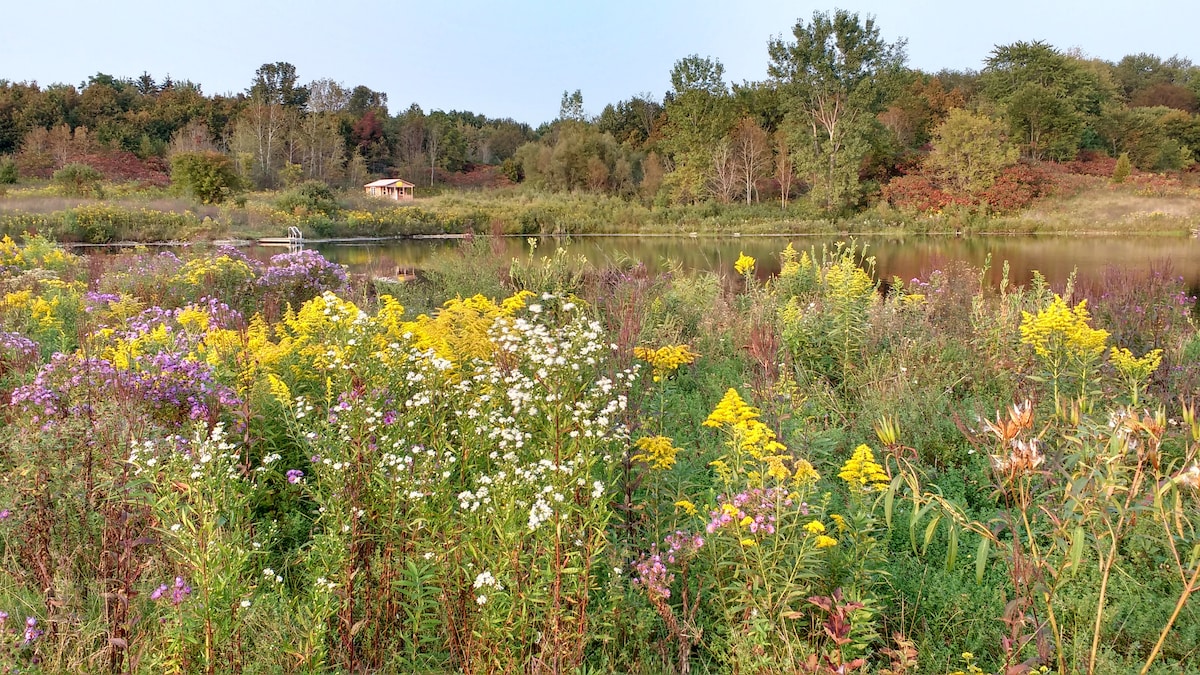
(838,119)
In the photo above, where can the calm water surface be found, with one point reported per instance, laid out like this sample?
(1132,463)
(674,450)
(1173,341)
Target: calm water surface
(1092,258)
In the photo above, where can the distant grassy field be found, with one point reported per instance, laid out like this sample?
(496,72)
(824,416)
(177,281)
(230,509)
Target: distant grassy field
(128,212)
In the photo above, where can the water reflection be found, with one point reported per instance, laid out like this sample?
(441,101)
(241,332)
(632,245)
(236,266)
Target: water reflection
(901,256)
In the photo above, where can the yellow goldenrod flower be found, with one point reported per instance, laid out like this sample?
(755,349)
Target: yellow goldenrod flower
(656,451)
(839,521)
(776,469)
(744,265)
(815,527)
(825,541)
(1134,370)
(804,474)
(193,319)
(665,360)
(848,281)
(789,264)
(1060,327)
(757,440)
(862,473)
(748,543)
(721,469)
(1125,362)
(279,390)
(730,411)
(688,507)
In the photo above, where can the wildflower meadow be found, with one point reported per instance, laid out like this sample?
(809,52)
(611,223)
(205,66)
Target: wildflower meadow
(212,463)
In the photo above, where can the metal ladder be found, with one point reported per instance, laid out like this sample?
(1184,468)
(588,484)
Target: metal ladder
(295,239)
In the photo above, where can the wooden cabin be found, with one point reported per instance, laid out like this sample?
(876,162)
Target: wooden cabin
(391,188)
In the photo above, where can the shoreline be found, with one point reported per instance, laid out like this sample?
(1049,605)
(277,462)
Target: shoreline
(282,242)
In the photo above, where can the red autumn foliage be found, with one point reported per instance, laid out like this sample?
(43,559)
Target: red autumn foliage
(917,193)
(1016,188)
(367,130)
(475,176)
(114,165)
(122,166)
(1158,184)
(1091,163)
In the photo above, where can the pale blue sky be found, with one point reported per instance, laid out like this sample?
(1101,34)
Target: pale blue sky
(515,59)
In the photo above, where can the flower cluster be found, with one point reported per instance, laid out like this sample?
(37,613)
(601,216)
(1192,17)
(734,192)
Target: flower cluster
(731,411)
(652,574)
(36,253)
(753,511)
(744,264)
(862,473)
(847,281)
(656,451)
(32,632)
(682,545)
(821,540)
(297,277)
(177,593)
(1134,371)
(665,360)
(483,580)
(747,433)
(1058,326)
(15,347)
(1130,366)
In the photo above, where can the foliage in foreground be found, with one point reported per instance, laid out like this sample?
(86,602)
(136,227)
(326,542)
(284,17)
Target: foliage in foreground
(217,464)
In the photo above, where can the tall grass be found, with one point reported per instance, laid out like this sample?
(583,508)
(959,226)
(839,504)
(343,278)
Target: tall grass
(216,464)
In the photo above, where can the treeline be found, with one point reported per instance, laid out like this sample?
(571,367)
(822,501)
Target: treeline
(839,120)
(277,131)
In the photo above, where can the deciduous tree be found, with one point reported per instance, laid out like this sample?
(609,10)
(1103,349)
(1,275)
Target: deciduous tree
(698,116)
(210,177)
(751,155)
(785,169)
(1049,98)
(969,152)
(828,76)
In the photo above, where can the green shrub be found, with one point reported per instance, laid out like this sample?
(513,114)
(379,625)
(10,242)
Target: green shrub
(78,180)
(8,171)
(210,177)
(1122,169)
(309,197)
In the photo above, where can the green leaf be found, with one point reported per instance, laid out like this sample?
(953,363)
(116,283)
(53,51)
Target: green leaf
(1076,552)
(981,557)
(952,549)
(889,501)
(930,529)
(914,518)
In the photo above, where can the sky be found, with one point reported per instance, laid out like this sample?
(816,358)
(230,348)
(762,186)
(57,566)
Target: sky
(515,59)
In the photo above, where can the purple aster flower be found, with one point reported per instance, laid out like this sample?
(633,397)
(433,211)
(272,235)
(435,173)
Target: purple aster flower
(181,591)
(32,632)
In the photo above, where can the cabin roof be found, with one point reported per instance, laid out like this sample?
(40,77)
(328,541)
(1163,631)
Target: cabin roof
(390,182)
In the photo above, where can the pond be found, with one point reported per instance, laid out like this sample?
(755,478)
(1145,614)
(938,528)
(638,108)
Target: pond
(1091,258)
